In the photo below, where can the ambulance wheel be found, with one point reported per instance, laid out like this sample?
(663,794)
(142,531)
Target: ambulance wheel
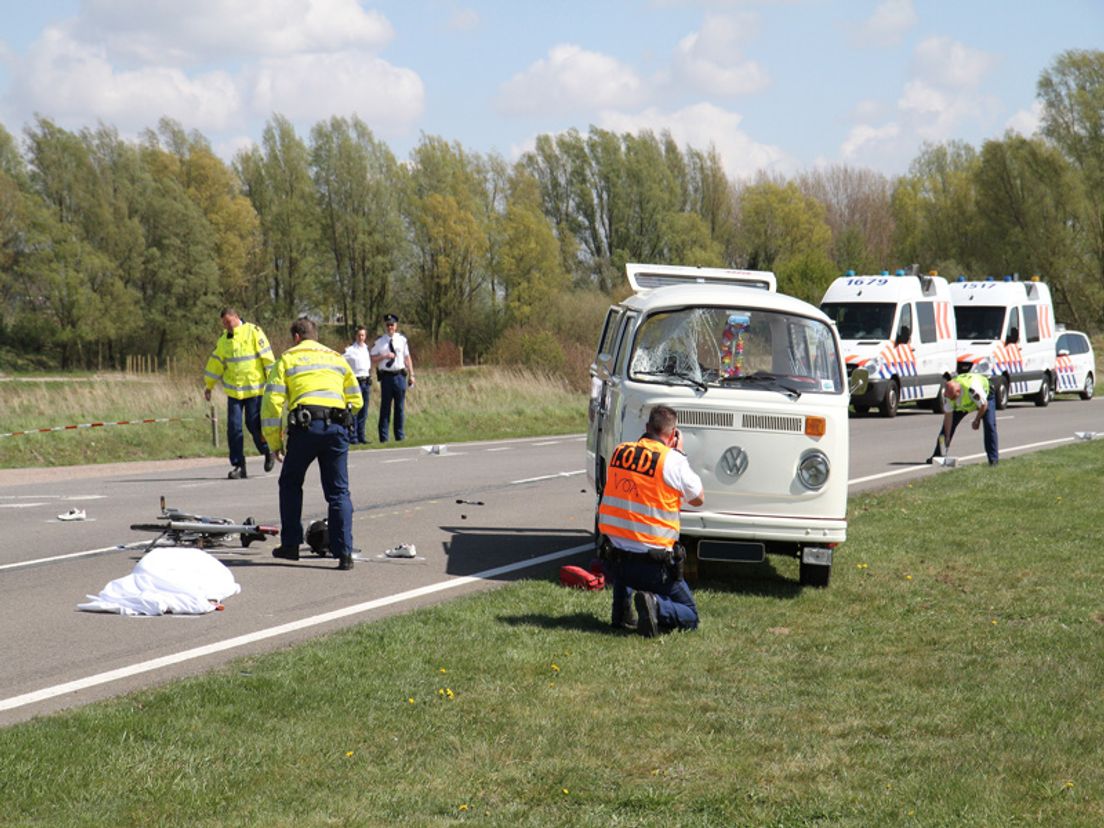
(888,406)
(814,575)
(1001,393)
(1042,399)
(1087,391)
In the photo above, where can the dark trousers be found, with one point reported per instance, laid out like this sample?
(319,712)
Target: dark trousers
(392,392)
(328,443)
(356,428)
(988,425)
(250,409)
(674,602)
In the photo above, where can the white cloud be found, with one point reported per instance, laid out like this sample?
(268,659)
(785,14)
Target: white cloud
(888,24)
(571,79)
(710,60)
(167,31)
(863,139)
(1027,121)
(937,103)
(701,125)
(73,81)
(946,62)
(464,20)
(313,87)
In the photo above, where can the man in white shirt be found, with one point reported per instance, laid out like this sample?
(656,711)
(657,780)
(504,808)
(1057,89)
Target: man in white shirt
(646,483)
(395,369)
(360,360)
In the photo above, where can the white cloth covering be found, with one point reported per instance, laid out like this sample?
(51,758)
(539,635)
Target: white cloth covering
(169,579)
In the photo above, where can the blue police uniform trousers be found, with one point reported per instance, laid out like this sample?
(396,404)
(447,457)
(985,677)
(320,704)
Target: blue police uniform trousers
(250,407)
(392,392)
(988,425)
(328,443)
(675,605)
(356,430)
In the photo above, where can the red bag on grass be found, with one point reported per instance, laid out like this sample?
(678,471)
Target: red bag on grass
(576,576)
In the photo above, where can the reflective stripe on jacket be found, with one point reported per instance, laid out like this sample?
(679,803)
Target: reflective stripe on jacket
(240,362)
(307,374)
(637,504)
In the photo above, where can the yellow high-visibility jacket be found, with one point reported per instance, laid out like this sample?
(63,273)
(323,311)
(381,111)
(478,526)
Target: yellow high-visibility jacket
(241,362)
(307,374)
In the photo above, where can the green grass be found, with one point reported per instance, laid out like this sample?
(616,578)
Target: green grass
(443,407)
(950,675)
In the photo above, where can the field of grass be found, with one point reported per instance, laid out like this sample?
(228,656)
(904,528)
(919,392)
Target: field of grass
(950,675)
(444,406)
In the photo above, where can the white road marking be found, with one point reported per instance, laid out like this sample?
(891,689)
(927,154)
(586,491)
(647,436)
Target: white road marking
(501,448)
(21,505)
(84,554)
(400,460)
(272,632)
(548,443)
(547,477)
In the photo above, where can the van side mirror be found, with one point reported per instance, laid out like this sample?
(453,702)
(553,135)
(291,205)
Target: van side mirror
(860,380)
(1013,336)
(603,363)
(1064,352)
(904,335)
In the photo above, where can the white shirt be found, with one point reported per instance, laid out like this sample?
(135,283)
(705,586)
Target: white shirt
(384,345)
(359,359)
(678,475)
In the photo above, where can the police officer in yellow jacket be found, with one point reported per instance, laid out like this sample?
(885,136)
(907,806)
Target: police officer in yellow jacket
(646,482)
(241,360)
(320,393)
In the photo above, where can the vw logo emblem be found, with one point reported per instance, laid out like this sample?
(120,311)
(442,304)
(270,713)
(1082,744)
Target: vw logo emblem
(733,462)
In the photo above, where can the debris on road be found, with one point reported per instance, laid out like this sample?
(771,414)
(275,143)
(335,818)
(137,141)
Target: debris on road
(403,550)
(73,514)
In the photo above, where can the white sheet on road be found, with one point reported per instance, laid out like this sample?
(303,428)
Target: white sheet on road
(169,579)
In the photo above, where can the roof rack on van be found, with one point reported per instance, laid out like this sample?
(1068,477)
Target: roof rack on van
(644,277)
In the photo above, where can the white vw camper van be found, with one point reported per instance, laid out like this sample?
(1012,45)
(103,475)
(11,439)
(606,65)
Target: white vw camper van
(901,329)
(1009,324)
(759,384)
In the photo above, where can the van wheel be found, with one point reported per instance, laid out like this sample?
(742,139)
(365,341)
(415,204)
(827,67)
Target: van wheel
(1001,392)
(1087,390)
(888,406)
(814,575)
(1042,399)
(937,403)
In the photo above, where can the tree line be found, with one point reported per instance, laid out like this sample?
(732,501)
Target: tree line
(111,247)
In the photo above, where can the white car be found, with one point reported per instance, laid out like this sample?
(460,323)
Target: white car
(1075,364)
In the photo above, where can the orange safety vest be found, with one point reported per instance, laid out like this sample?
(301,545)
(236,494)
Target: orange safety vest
(637,504)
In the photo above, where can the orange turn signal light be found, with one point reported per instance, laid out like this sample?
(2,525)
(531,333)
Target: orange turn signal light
(815,426)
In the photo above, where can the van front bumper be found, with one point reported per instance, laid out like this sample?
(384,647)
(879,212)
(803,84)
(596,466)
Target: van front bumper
(874,394)
(796,530)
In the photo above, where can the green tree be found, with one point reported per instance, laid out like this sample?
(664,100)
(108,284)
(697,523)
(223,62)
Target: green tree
(783,230)
(529,260)
(277,181)
(1072,95)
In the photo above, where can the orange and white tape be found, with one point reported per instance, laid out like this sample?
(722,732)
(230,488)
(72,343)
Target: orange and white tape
(93,425)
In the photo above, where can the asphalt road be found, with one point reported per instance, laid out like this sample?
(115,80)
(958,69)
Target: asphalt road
(537,513)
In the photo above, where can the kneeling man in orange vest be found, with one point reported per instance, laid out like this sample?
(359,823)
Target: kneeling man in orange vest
(646,482)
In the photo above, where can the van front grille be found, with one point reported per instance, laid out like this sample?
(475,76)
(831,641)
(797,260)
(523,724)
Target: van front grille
(772,422)
(705,419)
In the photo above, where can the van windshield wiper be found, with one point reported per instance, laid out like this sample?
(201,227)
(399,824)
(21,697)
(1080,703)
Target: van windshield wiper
(764,378)
(679,374)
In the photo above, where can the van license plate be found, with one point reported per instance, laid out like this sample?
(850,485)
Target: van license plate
(731,551)
(820,555)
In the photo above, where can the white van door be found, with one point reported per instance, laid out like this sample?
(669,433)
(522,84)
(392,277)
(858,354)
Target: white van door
(599,384)
(611,409)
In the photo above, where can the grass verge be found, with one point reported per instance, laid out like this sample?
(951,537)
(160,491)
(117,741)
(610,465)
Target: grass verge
(949,676)
(444,406)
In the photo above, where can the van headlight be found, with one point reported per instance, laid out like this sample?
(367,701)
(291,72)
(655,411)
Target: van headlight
(812,469)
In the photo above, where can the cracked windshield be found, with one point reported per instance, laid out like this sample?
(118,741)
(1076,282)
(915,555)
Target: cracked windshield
(734,347)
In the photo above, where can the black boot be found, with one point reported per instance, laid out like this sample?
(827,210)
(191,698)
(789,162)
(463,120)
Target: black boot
(624,617)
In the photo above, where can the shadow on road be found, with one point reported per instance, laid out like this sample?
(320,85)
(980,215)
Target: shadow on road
(474,549)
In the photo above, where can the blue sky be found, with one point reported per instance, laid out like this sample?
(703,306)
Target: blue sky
(775,85)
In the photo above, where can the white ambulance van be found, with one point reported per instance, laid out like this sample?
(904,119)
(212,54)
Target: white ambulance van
(759,384)
(901,329)
(1009,324)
